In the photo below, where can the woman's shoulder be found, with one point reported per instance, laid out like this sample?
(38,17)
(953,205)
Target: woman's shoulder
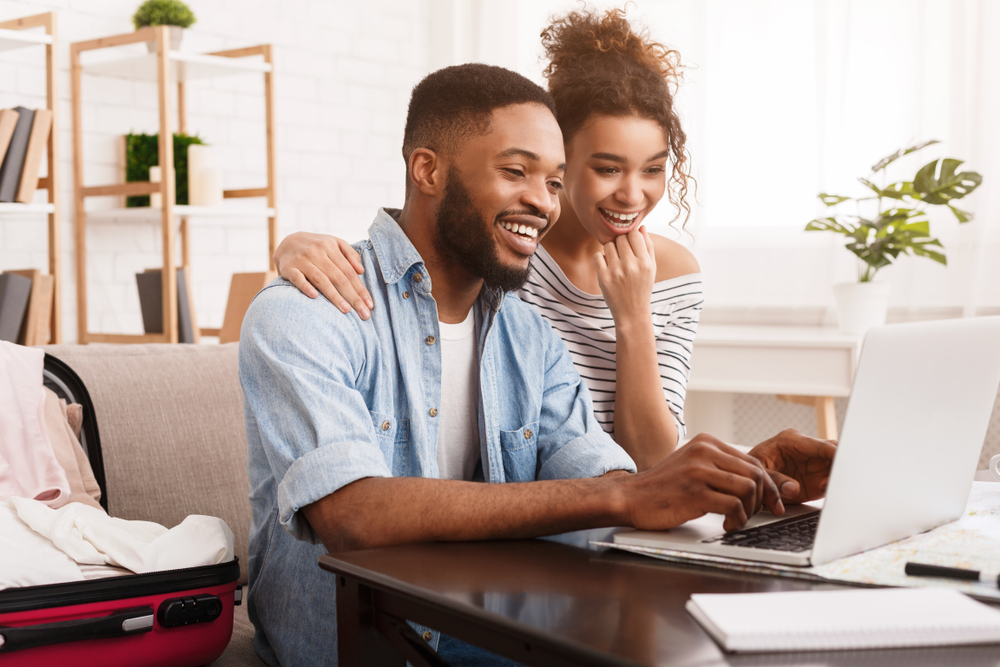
(672,259)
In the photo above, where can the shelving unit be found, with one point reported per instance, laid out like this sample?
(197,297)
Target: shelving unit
(13,36)
(167,68)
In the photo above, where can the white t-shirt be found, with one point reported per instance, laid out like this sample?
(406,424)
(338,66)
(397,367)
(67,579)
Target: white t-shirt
(458,433)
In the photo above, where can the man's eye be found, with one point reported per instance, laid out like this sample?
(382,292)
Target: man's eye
(607,171)
(514,172)
(556,185)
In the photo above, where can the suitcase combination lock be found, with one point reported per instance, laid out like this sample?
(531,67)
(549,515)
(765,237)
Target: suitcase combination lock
(175,612)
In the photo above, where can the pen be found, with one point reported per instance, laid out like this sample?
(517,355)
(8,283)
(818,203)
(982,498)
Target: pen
(921,570)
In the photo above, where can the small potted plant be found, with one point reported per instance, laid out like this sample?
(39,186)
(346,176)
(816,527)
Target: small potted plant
(898,226)
(173,13)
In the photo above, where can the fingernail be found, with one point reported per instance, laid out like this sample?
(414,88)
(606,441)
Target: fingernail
(365,313)
(371,304)
(789,489)
(344,308)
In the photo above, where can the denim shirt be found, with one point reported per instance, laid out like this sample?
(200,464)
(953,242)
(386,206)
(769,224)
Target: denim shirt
(330,399)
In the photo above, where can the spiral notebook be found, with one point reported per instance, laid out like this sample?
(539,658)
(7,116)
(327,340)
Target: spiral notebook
(845,619)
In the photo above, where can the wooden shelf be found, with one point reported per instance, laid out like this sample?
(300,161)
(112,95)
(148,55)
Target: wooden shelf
(20,33)
(183,66)
(26,209)
(170,70)
(15,39)
(149,214)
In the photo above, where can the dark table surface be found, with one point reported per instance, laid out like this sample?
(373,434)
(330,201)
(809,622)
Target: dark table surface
(626,607)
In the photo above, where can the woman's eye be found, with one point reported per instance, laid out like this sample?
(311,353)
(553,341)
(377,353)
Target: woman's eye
(655,170)
(608,171)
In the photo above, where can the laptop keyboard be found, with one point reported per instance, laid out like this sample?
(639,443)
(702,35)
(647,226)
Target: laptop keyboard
(795,534)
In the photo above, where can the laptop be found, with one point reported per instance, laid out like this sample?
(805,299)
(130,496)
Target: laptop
(920,406)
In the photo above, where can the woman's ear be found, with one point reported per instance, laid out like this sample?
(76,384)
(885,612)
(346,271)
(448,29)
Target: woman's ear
(426,172)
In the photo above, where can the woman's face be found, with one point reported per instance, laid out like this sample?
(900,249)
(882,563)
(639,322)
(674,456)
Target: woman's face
(616,172)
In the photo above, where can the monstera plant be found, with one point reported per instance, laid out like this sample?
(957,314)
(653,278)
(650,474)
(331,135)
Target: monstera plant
(899,224)
(891,221)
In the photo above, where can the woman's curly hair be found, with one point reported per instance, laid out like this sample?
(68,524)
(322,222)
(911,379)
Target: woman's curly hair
(599,65)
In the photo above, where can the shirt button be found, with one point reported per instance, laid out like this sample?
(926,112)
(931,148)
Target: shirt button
(527,434)
(434,412)
(406,295)
(417,277)
(427,635)
(385,426)
(430,340)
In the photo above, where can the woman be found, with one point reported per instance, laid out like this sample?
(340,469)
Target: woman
(626,302)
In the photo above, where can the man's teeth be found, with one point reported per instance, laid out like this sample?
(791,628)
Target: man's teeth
(530,232)
(619,219)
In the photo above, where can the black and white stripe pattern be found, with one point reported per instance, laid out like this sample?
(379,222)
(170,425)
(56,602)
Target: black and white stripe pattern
(585,324)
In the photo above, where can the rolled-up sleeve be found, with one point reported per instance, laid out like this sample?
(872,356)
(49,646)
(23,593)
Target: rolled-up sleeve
(299,360)
(571,443)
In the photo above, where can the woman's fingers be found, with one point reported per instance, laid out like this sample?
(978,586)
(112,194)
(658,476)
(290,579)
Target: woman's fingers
(296,278)
(354,258)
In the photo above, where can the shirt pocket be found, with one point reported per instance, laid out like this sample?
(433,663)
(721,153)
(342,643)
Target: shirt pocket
(520,453)
(393,436)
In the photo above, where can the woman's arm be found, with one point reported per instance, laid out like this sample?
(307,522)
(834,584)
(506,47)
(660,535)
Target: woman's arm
(645,426)
(331,265)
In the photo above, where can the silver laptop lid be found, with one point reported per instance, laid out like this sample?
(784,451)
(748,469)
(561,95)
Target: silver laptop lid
(915,427)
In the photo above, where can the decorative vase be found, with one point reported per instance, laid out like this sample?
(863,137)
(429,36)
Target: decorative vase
(861,306)
(176,33)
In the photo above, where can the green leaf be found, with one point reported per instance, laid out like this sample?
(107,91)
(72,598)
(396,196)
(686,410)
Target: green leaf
(874,188)
(827,225)
(946,187)
(889,159)
(831,200)
(962,216)
(899,190)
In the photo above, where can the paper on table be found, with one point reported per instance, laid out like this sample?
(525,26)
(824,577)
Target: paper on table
(848,619)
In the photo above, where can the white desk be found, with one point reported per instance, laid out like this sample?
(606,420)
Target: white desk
(808,365)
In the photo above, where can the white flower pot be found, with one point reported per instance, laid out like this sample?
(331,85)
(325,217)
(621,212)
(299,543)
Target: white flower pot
(176,33)
(861,306)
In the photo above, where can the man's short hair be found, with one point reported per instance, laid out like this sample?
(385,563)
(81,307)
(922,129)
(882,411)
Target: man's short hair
(456,102)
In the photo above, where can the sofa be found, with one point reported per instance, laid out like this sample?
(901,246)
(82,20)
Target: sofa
(170,419)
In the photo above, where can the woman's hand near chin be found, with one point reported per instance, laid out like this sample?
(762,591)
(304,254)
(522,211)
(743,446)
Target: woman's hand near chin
(314,262)
(626,271)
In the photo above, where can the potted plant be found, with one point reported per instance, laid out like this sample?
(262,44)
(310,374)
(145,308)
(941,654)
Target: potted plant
(895,222)
(173,13)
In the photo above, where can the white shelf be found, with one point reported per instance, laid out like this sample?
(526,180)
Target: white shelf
(22,209)
(16,39)
(183,66)
(148,214)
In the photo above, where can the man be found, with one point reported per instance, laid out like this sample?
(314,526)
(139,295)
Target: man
(370,433)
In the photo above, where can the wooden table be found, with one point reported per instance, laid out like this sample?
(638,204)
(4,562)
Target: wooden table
(544,602)
(808,365)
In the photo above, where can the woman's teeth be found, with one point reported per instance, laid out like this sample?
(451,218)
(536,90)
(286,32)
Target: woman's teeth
(619,220)
(524,230)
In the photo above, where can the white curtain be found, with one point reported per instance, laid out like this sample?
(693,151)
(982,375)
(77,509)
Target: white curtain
(784,99)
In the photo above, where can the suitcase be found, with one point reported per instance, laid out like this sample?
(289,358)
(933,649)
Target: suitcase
(177,618)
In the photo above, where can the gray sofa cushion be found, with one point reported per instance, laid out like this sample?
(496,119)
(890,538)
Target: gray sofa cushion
(171,425)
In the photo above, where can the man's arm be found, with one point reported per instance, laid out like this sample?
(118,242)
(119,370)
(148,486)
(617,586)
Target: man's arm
(704,477)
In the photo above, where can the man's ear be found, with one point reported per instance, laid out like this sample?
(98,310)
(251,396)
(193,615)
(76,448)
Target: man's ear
(426,172)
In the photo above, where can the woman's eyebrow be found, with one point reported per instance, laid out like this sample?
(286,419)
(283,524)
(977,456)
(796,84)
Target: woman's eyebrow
(611,157)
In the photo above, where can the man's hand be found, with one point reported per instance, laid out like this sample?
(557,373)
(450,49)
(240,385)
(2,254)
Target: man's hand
(798,464)
(331,265)
(705,476)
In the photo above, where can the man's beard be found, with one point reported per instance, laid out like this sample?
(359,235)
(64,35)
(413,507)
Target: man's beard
(467,241)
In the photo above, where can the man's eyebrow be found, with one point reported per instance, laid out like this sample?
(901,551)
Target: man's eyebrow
(523,152)
(618,158)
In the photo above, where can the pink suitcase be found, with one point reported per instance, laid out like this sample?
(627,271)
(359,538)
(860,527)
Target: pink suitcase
(179,618)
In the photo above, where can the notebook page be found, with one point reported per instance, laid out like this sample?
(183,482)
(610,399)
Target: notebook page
(845,619)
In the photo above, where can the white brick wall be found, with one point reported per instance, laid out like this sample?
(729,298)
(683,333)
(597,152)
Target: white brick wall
(343,72)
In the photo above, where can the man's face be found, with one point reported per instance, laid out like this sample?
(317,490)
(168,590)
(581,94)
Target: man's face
(502,194)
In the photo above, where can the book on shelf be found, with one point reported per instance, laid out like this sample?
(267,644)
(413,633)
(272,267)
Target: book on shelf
(37,141)
(17,149)
(8,121)
(150,284)
(15,291)
(37,319)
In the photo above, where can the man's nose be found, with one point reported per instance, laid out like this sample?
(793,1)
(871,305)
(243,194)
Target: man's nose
(538,196)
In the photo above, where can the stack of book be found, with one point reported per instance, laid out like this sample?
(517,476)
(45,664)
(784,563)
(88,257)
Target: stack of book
(25,306)
(24,134)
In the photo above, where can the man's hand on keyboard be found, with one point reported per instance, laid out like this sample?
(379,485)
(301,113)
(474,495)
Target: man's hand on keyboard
(798,464)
